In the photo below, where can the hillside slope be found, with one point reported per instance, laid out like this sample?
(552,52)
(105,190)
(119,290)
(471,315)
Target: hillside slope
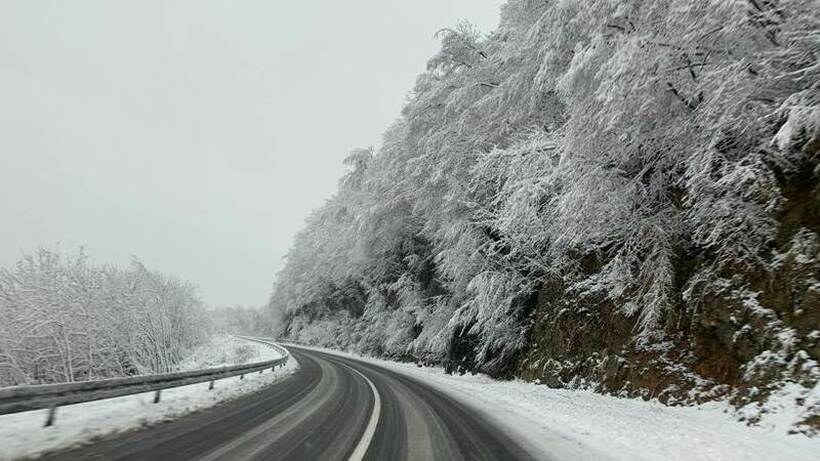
(617,196)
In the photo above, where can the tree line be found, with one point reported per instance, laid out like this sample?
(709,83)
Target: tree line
(657,156)
(64,319)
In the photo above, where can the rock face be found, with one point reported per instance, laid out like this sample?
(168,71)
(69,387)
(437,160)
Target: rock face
(709,342)
(621,196)
(733,332)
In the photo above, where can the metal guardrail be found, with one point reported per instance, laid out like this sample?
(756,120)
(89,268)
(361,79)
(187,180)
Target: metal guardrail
(26,398)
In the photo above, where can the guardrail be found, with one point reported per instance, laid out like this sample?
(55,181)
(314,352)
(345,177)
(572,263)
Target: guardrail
(26,398)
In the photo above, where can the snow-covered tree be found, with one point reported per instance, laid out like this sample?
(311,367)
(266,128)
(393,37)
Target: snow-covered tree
(65,319)
(628,152)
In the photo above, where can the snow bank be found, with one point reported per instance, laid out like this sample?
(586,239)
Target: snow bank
(574,424)
(23,434)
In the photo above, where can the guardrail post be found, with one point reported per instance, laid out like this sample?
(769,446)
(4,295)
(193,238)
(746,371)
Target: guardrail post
(211,386)
(52,415)
(156,395)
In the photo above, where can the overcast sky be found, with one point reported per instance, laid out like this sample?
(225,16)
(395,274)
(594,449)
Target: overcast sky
(196,135)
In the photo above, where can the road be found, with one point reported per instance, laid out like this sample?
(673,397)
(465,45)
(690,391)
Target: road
(331,408)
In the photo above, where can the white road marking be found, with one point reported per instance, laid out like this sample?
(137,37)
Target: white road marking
(370,430)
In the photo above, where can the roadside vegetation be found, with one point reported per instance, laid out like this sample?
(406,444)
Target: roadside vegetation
(64,318)
(621,196)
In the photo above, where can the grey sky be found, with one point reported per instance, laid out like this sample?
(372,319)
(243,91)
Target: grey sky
(196,135)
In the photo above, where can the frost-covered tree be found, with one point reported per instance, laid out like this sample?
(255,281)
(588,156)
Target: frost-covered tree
(642,158)
(65,319)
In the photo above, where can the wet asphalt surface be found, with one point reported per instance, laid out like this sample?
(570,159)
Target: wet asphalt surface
(321,412)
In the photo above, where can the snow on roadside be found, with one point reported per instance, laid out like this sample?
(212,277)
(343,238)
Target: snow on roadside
(23,434)
(226,350)
(574,424)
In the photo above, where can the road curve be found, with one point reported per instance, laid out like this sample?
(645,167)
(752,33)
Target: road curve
(331,408)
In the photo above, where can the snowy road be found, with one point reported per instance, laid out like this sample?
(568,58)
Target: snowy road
(332,408)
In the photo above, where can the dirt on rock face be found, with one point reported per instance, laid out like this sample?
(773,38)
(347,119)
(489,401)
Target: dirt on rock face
(734,332)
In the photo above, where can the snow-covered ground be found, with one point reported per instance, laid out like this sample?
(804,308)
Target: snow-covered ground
(571,424)
(226,350)
(23,434)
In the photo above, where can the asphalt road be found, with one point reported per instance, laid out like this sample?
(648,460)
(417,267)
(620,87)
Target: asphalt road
(331,408)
